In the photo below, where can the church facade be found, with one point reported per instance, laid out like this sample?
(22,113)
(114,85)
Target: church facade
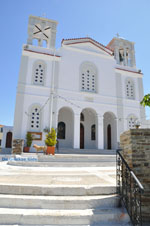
(88,92)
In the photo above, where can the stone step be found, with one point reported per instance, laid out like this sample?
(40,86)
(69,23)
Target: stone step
(62,217)
(57,190)
(99,224)
(79,151)
(76,158)
(93,224)
(58,202)
(63,160)
(62,164)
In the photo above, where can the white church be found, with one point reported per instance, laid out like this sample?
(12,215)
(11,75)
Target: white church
(88,92)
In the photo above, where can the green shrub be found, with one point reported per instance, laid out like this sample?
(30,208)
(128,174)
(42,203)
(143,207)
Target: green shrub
(29,139)
(51,138)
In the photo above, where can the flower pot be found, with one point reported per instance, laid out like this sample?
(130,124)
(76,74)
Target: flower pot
(50,150)
(26,149)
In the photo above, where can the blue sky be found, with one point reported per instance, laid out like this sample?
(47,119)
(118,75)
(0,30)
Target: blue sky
(99,19)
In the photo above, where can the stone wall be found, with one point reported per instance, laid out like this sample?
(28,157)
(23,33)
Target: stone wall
(17,147)
(136,151)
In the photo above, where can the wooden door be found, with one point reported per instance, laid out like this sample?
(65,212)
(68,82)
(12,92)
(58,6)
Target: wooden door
(9,140)
(81,136)
(109,136)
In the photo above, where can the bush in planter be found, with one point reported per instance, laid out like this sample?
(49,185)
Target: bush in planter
(29,140)
(51,141)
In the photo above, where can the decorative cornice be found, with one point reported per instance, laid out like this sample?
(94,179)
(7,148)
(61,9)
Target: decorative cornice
(48,54)
(88,40)
(129,71)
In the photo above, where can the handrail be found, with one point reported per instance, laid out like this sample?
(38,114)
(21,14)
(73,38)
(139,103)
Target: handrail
(130,189)
(138,182)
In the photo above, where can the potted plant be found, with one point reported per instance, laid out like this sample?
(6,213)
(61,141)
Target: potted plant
(29,140)
(50,141)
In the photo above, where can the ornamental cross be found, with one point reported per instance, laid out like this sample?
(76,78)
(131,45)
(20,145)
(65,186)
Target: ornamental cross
(41,31)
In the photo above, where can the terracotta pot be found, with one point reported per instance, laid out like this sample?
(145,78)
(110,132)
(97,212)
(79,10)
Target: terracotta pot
(50,150)
(26,149)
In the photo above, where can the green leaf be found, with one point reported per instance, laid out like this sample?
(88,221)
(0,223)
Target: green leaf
(146,100)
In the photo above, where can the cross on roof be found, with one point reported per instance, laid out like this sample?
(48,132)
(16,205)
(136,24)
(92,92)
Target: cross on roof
(117,35)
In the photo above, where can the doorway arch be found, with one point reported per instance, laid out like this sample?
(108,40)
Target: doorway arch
(89,124)
(81,136)
(109,136)
(65,127)
(110,131)
(8,140)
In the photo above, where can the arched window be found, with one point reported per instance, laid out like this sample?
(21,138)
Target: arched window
(88,77)
(131,122)
(61,130)
(82,117)
(38,73)
(130,89)
(93,132)
(35,119)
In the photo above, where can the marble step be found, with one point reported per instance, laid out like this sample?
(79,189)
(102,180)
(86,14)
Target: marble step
(62,217)
(57,190)
(58,202)
(62,164)
(69,151)
(99,224)
(76,158)
(61,160)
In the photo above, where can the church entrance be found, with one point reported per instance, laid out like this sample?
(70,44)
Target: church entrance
(109,136)
(9,140)
(110,131)
(65,127)
(88,129)
(81,136)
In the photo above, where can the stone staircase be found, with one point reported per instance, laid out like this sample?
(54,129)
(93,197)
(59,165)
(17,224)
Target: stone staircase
(43,196)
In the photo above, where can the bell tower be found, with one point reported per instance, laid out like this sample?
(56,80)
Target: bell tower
(43,31)
(124,52)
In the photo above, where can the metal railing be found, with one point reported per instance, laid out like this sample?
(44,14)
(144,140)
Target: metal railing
(130,189)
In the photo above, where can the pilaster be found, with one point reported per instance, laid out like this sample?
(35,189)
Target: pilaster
(100,132)
(76,138)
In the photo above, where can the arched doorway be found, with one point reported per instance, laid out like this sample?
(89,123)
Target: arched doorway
(65,127)
(88,127)
(81,136)
(109,136)
(9,140)
(110,131)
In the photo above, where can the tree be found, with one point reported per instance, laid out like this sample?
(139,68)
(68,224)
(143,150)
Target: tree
(146,101)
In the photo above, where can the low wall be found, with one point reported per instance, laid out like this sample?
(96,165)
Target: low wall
(17,147)
(136,151)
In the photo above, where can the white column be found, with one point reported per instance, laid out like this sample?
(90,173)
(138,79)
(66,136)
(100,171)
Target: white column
(76,138)
(100,132)
(117,131)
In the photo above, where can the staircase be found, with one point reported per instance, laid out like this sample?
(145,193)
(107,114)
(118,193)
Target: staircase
(46,194)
